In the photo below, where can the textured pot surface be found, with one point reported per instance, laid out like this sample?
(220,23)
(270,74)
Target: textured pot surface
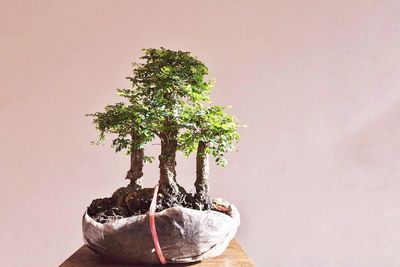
(185,235)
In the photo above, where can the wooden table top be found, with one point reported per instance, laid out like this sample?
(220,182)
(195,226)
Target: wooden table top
(234,255)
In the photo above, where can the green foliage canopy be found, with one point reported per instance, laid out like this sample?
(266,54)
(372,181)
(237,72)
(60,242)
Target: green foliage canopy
(165,82)
(127,122)
(212,126)
(167,99)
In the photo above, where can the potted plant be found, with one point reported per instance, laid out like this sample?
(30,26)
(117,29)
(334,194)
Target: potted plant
(168,100)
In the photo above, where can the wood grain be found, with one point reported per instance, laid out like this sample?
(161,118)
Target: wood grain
(234,255)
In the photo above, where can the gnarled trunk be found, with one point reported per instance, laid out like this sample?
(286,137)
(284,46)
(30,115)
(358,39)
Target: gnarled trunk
(135,172)
(167,165)
(202,178)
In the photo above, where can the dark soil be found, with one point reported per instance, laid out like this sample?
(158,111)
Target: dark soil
(128,201)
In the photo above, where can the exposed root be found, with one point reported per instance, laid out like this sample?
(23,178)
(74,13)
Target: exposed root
(129,201)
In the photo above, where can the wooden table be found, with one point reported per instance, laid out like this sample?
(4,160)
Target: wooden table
(234,255)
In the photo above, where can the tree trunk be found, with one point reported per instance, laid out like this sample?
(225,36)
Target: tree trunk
(135,172)
(202,178)
(167,164)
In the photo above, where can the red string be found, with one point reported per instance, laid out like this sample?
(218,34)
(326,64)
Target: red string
(153,229)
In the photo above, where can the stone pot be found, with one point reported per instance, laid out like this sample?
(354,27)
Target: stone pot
(185,235)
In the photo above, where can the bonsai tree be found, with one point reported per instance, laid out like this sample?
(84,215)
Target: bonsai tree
(210,130)
(128,123)
(166,83)
(168,99)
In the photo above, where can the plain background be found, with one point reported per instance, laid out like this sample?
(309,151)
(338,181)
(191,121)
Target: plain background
(316,178)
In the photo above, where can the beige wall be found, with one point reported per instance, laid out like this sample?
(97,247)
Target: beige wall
(317,82)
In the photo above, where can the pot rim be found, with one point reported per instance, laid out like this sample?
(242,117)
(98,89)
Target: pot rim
(234,214)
